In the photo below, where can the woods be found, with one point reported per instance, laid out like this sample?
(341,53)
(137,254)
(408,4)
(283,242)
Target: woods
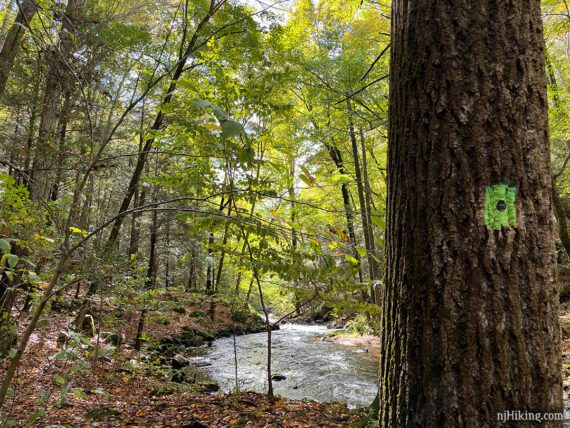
(329,192)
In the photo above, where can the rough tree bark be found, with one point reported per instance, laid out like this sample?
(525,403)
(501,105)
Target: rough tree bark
(470,317)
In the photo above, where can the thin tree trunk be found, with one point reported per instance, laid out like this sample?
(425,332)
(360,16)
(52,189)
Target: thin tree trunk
(139,195)
(249,290)
(336,156)
(562,220)
(223,251)
(140,328)
(256,276)
(361,199)
(152,267)
(5,23)
(167,282)
(63,121)
(470,313)
(210,267)
(375,287)
(27,10)
(140,200)
(32,128)
(192,273)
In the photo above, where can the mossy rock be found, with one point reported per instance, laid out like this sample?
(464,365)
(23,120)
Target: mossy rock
(208,387)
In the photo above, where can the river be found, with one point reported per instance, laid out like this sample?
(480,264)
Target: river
(314,369)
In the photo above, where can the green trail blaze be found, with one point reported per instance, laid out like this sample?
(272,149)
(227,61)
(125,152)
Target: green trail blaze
(500,210)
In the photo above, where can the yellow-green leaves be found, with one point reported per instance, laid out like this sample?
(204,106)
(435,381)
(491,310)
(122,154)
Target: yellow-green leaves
(78,231)
(230,128)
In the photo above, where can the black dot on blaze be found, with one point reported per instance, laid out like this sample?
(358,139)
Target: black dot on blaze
(501,206)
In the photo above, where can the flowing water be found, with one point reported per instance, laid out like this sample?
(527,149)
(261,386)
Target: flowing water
(316,370)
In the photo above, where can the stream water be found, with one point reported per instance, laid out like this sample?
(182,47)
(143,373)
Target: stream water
(313,369)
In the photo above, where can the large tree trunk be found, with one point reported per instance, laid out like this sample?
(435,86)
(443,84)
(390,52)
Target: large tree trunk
(11,45)
(470,317)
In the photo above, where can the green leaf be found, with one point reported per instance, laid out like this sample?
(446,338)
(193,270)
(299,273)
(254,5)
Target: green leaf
(5,246)
(361,251)
(246,154)
(12,260)
(63,394)
(306,180)
(43,398)
(351,260)
(231,128)
(59,379)
(219,112)
(64,354)
(37,414)
(378,221)
(79,393)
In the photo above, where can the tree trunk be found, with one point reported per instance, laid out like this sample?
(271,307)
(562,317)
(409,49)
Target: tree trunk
(5,22)
(152,268)
(61,154)
(375,286)
(192,272)
(140,200)
(470,313)
(361,199)
(32,128)
(223,251)
(167,281)
(27,10)
(336,156)
(58,83)
(210,283)
(140,328)
(562,220)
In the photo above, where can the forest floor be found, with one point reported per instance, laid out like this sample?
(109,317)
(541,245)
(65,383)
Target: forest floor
(123,387)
